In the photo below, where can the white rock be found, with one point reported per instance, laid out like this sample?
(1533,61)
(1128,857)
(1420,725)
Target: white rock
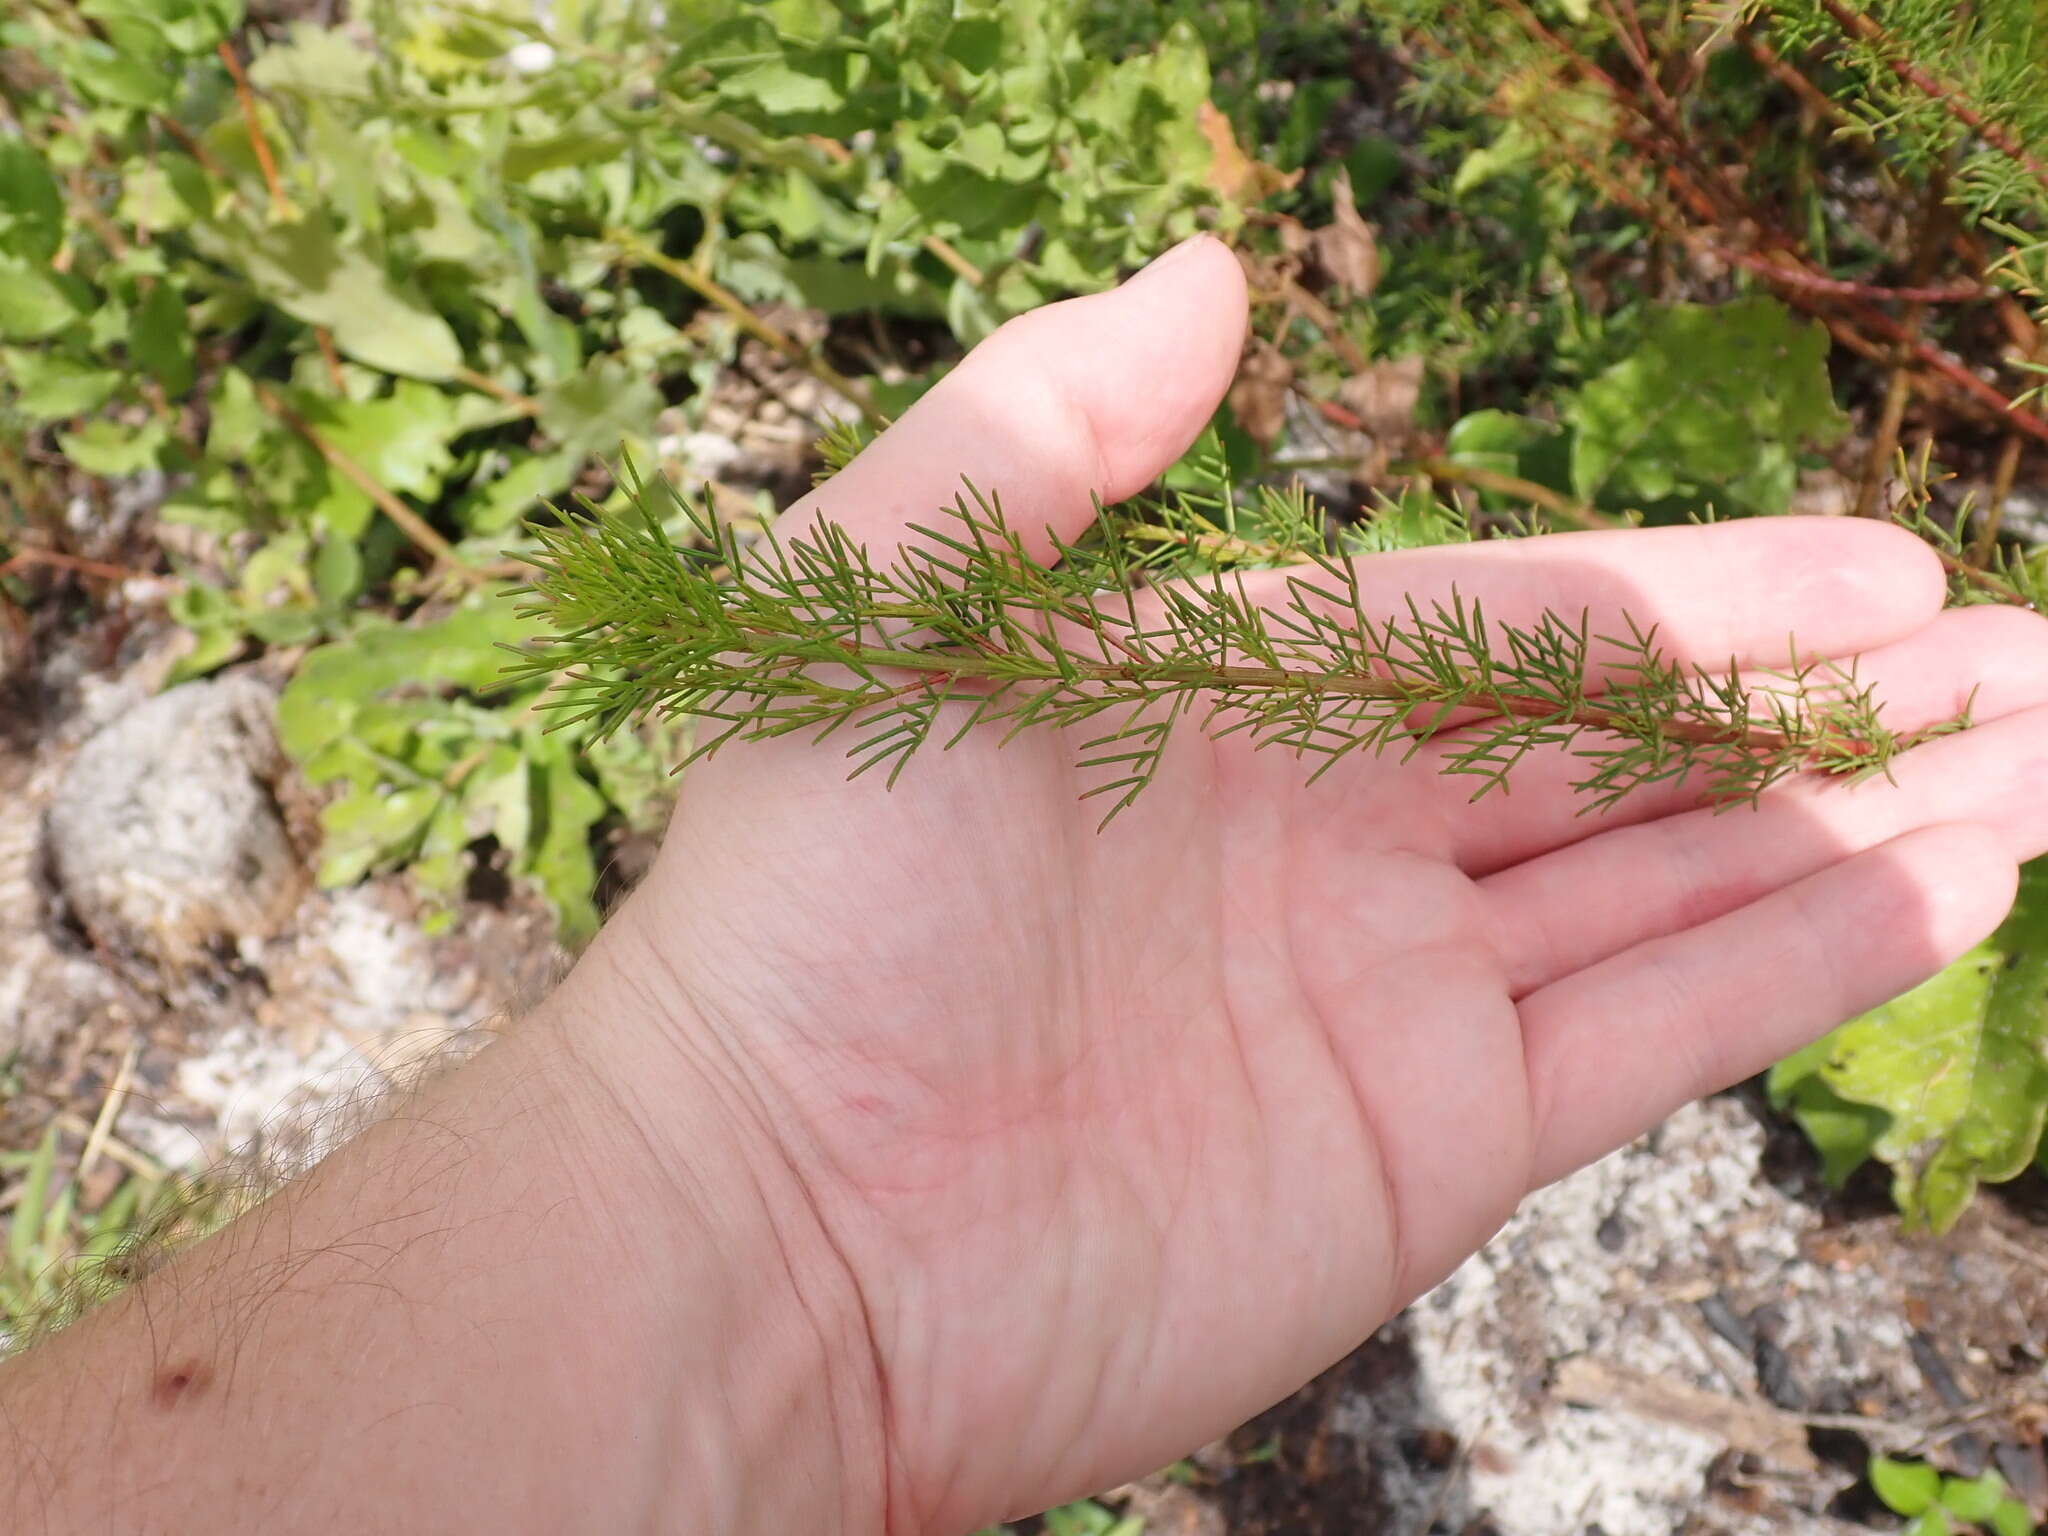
(164,837)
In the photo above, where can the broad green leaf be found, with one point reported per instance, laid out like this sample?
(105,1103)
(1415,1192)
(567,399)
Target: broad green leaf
(527,158)
(560,862)
(1975,1499)
(212,649)
(498,798)
(236,422)
(160,337)
(316,61)
(113,447)
(1086,1518)
(34,301)
(1714,407)
(31,204)
(2011,1519)
(1956,1066)
(1512,445)
(1907,1487)
(923,24)
(368,828)
(1844,1134)
(338,572)
(100,71)
(498,504)
(401,439)
(308,273)
(55,386)
(164,192)
(594,411)
(188,27)
(334,683)
(439,863)
(636,777)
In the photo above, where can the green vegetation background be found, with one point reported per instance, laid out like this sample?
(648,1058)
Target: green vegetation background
(353,303)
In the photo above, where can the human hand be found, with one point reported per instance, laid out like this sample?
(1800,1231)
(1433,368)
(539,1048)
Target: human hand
(1106,1141)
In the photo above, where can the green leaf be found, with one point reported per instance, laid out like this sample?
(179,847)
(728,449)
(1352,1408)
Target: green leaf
(160,337)
(975,43)
(1712,408)
(236,422)
(497,798)
(591,413)
(188,27)
(316,61)
(335,682)
(1957,1066)
(1508,444)
(1086,1518)
(54,386)
(497,504)
(1516,148)
(164,192)
(527,158)
(793,86)
(31,204)
(100,71)
(923,24)
(338,572)
(369,828)
(1844,1134)
(114,448)
(1935,1522)
(26,1225)
(2011,1519)
(401,439)
(308,273)
(560,862)
(34,302)
(1975,1499)
(1907,1487)
(213,647)
(635,776)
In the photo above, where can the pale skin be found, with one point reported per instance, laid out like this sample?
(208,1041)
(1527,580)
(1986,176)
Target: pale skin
(902,1161)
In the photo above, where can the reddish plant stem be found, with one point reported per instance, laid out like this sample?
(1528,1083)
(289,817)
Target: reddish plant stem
(1944,95)
(1002,669)
(1841,288)
(279,203)
(1664,158)
(63,562)
(1899,388)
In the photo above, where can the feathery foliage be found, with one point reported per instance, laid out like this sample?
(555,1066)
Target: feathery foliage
(966,628)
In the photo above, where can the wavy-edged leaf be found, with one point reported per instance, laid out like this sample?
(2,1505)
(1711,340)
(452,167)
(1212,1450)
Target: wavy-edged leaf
(1956,1067)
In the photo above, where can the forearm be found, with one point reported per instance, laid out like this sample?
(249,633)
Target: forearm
(495,1310)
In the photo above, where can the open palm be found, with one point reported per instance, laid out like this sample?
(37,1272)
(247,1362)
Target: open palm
(1124,1135)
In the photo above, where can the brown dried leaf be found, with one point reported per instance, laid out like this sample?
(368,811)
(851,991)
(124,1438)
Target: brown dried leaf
(1345,248)
(1295,236)
(1384,398)
(1232,172)
(1259,397)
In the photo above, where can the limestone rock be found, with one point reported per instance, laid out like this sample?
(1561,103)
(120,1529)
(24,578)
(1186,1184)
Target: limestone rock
(165,839)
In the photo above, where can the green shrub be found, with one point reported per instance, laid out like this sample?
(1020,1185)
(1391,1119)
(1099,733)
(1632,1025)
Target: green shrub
(369,309)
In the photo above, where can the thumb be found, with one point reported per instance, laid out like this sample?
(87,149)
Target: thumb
(1086,398)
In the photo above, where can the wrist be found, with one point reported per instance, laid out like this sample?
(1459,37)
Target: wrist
(766,1369)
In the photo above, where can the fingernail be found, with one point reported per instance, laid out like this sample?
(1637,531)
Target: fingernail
(1174,257)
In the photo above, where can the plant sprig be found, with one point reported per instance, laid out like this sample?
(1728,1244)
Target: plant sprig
(966,629)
